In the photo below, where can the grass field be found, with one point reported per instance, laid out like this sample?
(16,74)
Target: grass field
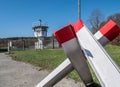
(49,58)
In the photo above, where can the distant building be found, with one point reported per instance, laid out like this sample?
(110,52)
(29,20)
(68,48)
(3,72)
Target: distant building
(40,32)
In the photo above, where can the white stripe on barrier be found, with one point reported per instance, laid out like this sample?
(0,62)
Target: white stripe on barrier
(98,35)
(101,38)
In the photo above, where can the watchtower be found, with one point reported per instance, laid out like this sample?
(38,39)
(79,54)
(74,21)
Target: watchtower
(40,32)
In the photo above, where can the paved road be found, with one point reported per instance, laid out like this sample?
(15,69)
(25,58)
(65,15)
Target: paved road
(19,74)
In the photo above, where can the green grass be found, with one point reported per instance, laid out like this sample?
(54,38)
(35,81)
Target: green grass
(114,52)
(49,59)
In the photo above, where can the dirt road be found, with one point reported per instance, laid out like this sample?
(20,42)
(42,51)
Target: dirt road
(19,74)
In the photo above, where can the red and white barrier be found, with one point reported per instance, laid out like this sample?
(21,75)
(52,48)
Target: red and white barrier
(107,33)
(66,67)
(67,38)
(105,69)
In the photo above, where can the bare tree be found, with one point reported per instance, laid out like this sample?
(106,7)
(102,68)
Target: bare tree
(95,20)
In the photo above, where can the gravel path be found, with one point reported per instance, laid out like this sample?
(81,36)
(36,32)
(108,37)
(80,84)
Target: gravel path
(19,74)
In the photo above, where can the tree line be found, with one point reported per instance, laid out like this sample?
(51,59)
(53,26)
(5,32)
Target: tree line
(26,42)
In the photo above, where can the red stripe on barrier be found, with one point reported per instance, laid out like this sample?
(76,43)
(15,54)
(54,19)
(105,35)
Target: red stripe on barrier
(65,34)
(110,30)
(78,25)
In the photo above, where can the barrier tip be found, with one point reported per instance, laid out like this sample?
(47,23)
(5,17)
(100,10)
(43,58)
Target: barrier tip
(78,25)
(65,34)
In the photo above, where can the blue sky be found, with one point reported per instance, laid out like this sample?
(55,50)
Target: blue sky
(17,16)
